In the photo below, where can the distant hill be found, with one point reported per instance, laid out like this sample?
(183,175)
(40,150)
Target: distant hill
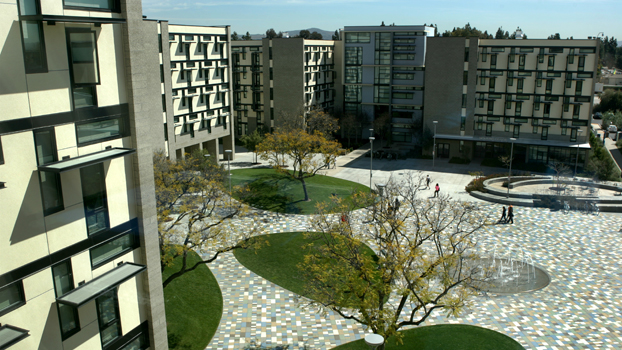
(326,34)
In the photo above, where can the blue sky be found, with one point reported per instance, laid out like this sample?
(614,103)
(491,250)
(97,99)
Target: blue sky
(537,18)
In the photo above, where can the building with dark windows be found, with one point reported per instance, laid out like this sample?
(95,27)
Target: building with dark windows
(277,79)
(195,75)
(487,94)
(80,258)
(383,76)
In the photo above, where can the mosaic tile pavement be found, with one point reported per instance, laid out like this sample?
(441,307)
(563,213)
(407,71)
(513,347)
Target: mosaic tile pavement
(580,309)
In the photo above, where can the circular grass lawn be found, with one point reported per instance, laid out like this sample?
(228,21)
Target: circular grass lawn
(445,336)
(280,193)
(278,262)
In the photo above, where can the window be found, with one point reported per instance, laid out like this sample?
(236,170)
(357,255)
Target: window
(493,61)
(519,87)
(94,198)
(551,62)
(383,41)
(63,283)
(521,61)
(518,109)
(466,54)
(581,63)
(108,316)
(516,132)
(358,37)
(545,133)
(51,191)
(97,5)
(587,50)
(382,75)
(403,95)
(482,80)
(84,68)
(547,110)
(489,129)
(491,85)
(111,249)
(535,129)
(491,107)
(481,103)
(464,100)
(403,56)
(578,88)
(381,94)
(382,57)
(353,75)
(98,131)
(11,297)
(465,78)
(403,76)
(549,86)
(35,59)
(575,111)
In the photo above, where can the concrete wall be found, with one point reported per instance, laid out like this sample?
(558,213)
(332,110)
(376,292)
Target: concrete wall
(287,60)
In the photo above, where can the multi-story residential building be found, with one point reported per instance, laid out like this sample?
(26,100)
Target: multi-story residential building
(487,94)
(383,75)
(281,78)
(196,88)
(79,267)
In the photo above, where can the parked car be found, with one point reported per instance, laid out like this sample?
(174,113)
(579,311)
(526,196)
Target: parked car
(598,115)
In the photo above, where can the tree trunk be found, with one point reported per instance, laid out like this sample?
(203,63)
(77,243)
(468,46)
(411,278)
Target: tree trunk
(304,187)
(178,273)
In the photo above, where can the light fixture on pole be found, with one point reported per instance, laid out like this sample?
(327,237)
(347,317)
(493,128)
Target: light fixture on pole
(228,151)
(371,159)
(434,148)
(510,171)
(576,162)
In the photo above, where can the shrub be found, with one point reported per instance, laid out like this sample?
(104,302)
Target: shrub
(477,184)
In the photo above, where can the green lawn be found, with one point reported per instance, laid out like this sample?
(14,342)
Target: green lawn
(444,337)
(193,306)
(278,261)
(277,192)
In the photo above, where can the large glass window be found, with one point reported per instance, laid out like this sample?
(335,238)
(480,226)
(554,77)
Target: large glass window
(11,297)
(103,5)
(354,56)
(382,57)
(82,49)
(94,197)
(381,94)
(100,130)
(353,75)
(111,249)
(358,37)
(352,93)
(51,190)
(404,56)
(35,60)
(383,41)
(63,283)
(382,75)
(108,315)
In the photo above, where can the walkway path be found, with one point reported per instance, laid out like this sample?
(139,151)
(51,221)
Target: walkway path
(580,309)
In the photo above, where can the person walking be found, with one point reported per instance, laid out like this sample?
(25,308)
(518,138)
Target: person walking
(437,189)
(510,214)
(427,182)
(503,218)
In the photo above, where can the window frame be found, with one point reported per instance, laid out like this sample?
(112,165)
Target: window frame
(60,207)
(76,315)
(20,288)
(123,123)
(44,64)
(68,31)
(116,320)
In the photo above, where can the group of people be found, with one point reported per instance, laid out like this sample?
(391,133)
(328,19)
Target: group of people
(437,188)
(510,216)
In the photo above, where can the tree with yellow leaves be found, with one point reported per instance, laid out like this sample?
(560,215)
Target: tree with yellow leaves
(309,153)
(196,213)
(425,259)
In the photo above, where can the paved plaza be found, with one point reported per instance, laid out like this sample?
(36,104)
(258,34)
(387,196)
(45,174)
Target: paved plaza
(580,309)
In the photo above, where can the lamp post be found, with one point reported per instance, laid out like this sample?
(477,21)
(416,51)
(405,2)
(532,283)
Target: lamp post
(228,151)
(371,159)
(576,162)
(434,148)
(510,171)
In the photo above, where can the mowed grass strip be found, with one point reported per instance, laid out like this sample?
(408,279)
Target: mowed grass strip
(193,305)
(279,193)
(278,262)
(443,337)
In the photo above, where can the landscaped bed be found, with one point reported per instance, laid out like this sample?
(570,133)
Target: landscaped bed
(279,193)
(445,337)
(193,305)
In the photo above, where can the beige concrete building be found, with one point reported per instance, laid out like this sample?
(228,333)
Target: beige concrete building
(195,75)
(280,78)
(80,260)
(487,94)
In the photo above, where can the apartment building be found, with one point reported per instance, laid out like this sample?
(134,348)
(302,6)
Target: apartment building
(277,79)
(383,75)
(195,76)
(80,261)
(486,94)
